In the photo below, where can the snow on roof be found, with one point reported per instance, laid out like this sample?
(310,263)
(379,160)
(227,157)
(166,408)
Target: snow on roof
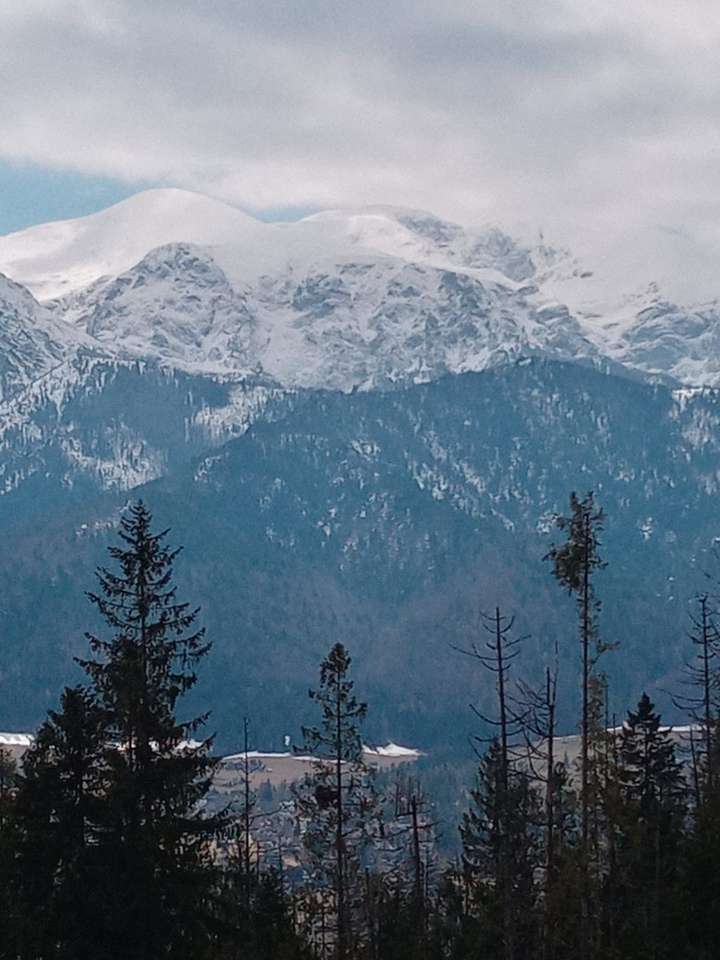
(389,750)
(257,755)
(16,739)
(392,750)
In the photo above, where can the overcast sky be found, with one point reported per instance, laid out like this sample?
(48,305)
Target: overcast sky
(589,118)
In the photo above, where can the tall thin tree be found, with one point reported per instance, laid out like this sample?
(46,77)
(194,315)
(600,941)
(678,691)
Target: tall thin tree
(154,835)
(337,801)
(574,563)
(502,788)
(703,703)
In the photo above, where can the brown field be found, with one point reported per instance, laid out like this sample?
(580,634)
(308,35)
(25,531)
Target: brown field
(280,768)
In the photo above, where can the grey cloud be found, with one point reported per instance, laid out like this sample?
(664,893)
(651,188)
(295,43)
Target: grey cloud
(575,115)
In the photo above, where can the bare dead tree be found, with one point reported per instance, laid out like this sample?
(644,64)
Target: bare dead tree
(497,655)
(538,713)
(702,675)
(417,838)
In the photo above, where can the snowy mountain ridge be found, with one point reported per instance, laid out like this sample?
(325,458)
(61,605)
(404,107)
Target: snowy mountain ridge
(341,299)
(176,348)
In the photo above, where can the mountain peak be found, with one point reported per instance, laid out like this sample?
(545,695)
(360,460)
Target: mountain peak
(342,298)
(58,258)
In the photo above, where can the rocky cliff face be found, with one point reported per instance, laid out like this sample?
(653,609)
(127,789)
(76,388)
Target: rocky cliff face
(339,300)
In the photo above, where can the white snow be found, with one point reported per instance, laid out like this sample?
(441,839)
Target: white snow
(54,259)
(342,299)
(392,750)
(389,750)
(16,739)
(256,755)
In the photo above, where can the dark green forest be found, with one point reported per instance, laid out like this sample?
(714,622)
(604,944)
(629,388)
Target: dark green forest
(387,518)
(110,849)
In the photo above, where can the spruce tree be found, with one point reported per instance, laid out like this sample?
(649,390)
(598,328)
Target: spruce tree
(539,712)
(651,825)
(274,937)
(8,785)
(700,888)
(249,864)
(699,896)
(501,828)
(337,803)
(59,868)
(255,923)
(702,704)
(409,863)
(153,836)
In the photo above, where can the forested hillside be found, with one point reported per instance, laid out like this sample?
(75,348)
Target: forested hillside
(387,519)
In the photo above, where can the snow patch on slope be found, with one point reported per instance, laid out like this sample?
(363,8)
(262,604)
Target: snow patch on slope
(32,340)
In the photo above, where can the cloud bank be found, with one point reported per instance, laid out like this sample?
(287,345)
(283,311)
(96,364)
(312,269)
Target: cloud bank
(594,120)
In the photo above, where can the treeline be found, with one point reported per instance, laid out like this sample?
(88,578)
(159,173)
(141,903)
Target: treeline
(109,851)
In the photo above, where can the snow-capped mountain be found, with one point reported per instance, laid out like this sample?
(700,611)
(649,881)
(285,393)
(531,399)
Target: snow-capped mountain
(358,322)
(343,299)
(55,258)
(175,347)
(208,314)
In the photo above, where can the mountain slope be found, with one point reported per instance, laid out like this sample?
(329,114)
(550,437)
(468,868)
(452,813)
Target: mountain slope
(387,519)
(344,299)
(33,341)
(360,426)
(95,423)
(359,323)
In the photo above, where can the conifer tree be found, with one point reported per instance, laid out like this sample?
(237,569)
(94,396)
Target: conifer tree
(248,803)
(651,821)
(574,564)
(60,796)
(701,881)
(497,656)
(153,837)
(410,863)
(699,894)
(273,935)
(502,827)
(243,875)
(8,785)
(539,707)
(245,854)
(255,923)
(337,802)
